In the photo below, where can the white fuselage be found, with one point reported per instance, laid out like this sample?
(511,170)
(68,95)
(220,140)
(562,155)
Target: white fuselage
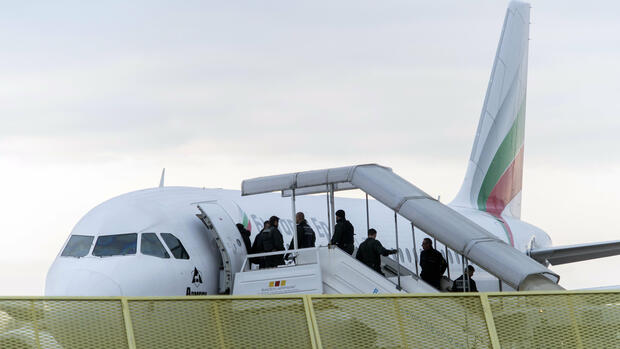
(172,210)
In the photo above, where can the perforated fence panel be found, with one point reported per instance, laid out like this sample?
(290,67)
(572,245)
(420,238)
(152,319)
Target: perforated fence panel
(570,320)
(466,320)
(220,323)
(401,322)
(62,324)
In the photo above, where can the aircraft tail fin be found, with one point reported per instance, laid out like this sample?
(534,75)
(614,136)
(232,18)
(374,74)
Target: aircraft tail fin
(494,175)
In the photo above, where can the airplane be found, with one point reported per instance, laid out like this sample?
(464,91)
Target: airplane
(151,242)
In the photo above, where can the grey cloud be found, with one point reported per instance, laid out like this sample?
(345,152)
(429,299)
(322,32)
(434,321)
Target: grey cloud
(305,78)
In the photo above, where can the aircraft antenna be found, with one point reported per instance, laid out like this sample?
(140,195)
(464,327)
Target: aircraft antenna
(161,181)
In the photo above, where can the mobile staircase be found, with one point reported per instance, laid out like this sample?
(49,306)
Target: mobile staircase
(322,270)
(330,270)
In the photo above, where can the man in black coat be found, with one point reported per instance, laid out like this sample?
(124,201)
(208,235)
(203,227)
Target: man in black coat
(371,250)
(433,264)
(343,233)
(245,235)
(257,247)
(460,285)
(269,240)
(305,235)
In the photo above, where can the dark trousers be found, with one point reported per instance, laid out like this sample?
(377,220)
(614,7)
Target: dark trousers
(432,280)
(348,248)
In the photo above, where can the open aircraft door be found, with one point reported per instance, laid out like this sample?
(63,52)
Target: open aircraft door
(222,229)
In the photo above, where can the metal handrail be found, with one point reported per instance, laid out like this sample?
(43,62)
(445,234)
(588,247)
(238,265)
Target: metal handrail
(275,253)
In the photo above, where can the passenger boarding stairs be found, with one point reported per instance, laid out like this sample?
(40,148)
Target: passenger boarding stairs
(324,270)
(330,270)
(437,220)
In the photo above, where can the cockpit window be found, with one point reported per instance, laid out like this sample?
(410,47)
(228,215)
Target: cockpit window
(115,245)
(150,245)
(78,246)
(175,246)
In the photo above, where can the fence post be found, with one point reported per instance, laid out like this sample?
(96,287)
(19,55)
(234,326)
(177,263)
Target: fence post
(131,340)
(488,316)
(401,330)
(215,309)
(35,322)
(313,327)
(574,322)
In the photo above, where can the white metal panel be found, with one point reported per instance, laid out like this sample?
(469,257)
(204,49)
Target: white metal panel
(319,177)
(317,189)
(301,179)
(443,223)
(343,274)
(267,184)
(385,186)
(412,285)
(340,174)
(218,222)
(300,279)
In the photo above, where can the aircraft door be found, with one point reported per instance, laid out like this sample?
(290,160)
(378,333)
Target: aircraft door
(222,229)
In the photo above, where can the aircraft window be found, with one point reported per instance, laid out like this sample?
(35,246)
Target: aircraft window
(408,255)
(78,246)
(151,246)
(400,254)
(115,245)
(175,246)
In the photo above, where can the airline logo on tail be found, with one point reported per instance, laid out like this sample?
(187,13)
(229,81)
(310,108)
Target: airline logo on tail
(504,178)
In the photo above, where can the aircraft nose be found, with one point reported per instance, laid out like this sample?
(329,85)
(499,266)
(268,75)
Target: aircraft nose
(83,283)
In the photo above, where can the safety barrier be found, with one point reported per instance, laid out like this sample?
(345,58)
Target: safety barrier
(589,319)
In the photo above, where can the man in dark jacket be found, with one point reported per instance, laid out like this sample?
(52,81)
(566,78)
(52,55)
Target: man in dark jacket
(305,235)
(433,264)
(343,233)
(270,240)
(265,226)
(245,235)
(461,285)
(371,250)
(257,247)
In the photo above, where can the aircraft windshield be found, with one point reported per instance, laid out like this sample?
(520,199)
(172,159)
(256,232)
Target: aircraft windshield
(150,246)
(115,245)
(78,246)
(175,246)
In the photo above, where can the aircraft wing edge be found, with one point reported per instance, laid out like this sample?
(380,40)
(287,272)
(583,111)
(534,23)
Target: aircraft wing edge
(600,288)
(575,253)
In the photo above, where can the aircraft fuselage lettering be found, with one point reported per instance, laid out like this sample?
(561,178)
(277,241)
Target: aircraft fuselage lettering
(285,226)
(288,227)
(189,292)
(318,227)
(258,222)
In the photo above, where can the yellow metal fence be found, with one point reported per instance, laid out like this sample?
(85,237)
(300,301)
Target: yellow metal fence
(469,320)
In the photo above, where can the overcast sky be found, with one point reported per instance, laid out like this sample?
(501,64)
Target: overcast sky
(97,97)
